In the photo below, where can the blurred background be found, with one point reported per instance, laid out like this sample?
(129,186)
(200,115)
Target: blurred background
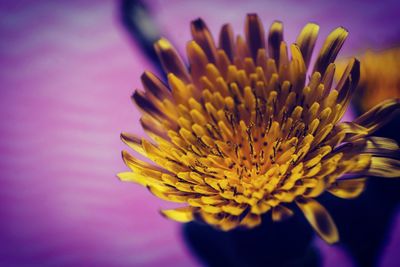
(68,69)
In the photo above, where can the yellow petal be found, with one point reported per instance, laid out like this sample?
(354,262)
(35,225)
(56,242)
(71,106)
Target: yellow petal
(330,49)
(251,220)
(229,222)
(183,214)
(298,66)
(319,218)
(384,167)
(201,35)
(152,126)
(379,115)
(197,59)
(180,91)
(233,209)
(148,182)
(133,142)
(280,213)
(145,105)
(306,41)
(347,85)
(226,40)
(154,85)
(348,188)
(255,35)
(170,60)
(275,38)
(140,166)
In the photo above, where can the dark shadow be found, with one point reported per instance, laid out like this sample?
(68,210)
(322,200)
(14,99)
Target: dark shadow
(287,243)
(137,20)
(365,222)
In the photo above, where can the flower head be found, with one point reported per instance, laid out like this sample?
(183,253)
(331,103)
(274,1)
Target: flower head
(379,77)
(243,131)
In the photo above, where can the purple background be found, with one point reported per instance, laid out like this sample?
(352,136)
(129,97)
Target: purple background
(67,71)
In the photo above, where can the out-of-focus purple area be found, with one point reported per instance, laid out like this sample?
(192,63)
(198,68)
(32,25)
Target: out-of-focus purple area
(67,71)
(371,24)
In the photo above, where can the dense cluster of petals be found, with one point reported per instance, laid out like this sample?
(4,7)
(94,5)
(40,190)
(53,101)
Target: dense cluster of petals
(249,128)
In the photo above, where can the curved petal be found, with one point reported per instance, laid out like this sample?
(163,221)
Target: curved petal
(229,222)
(384,167)
(348,188)
(379,115)
(251,220)
(227,40)
(330,49)
(145,105)
(152,126)
(133,142)
(183,214)
(275,38)
(320,219)
(306,41)
(383,147)
(201,35)
(154,85)
(280,213)
(255,35)
(170,60)
(198,60)
(348,82)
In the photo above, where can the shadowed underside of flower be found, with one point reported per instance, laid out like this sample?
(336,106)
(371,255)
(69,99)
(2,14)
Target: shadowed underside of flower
(243,132)
(379,77)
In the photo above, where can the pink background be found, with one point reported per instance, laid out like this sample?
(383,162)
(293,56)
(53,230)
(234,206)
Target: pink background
(67,71)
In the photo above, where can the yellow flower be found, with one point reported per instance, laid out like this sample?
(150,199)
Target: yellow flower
(379,77)
(243,131)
